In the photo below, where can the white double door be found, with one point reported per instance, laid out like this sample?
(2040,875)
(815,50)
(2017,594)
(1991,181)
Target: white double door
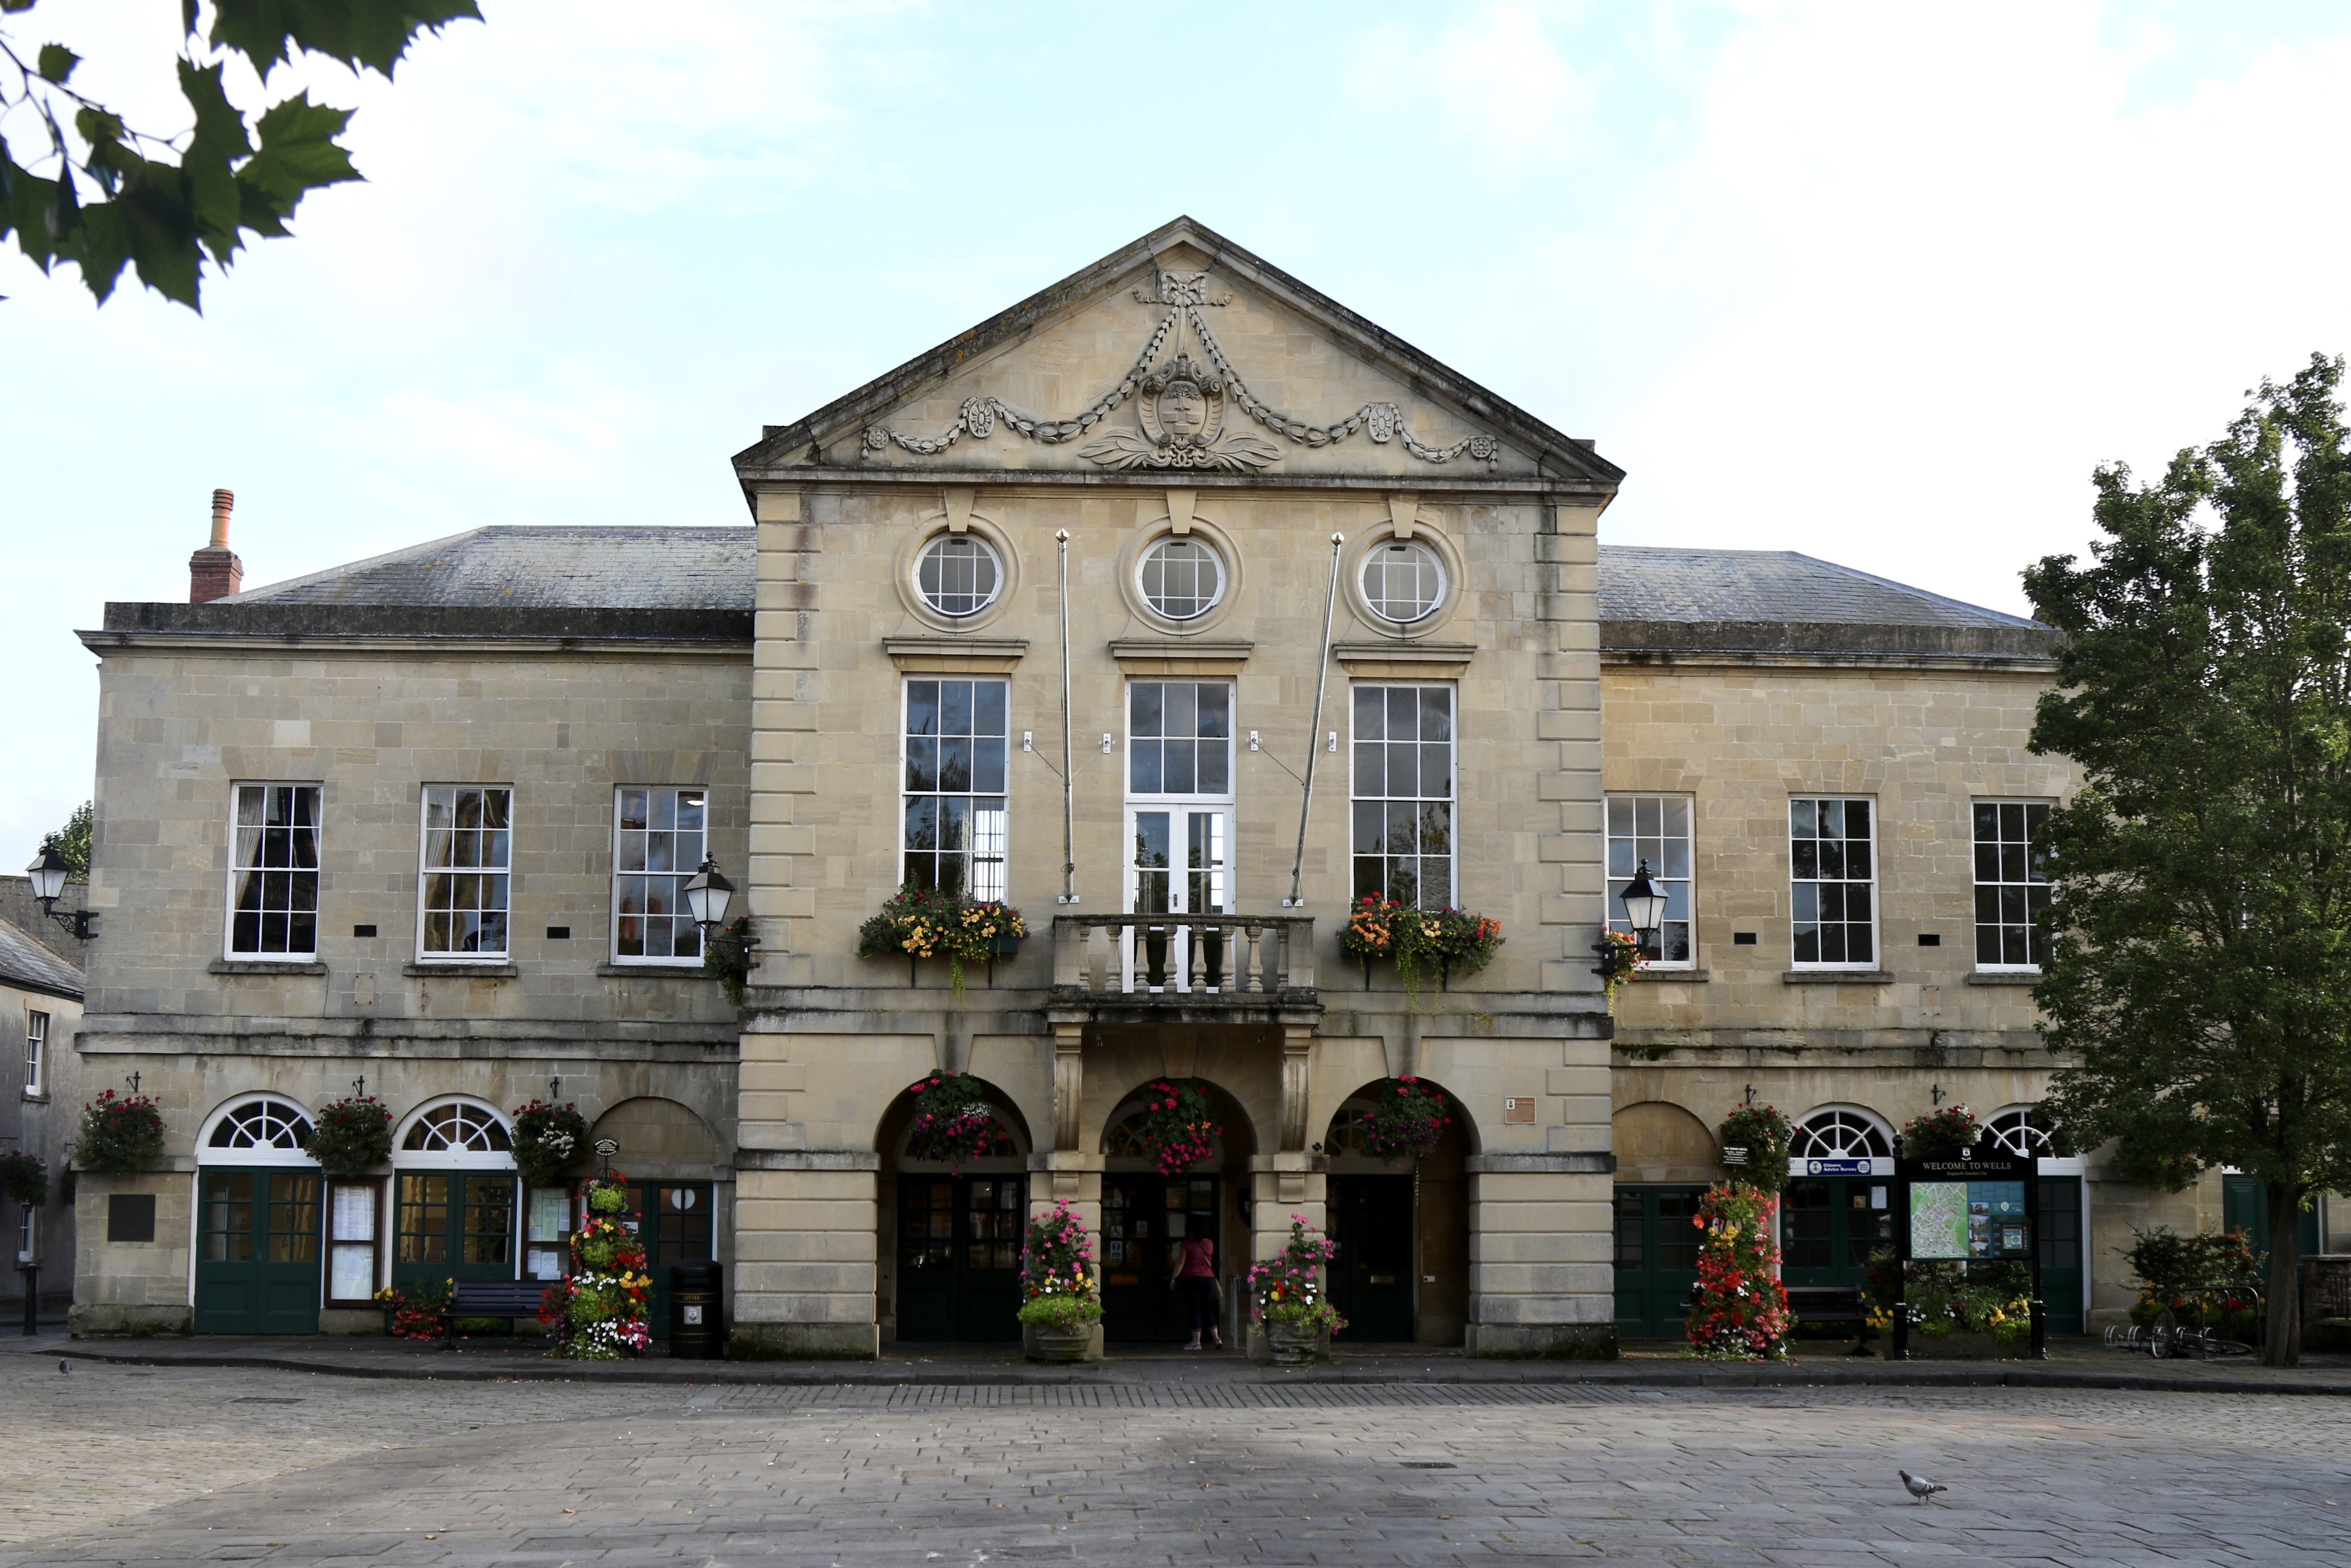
(1177,864)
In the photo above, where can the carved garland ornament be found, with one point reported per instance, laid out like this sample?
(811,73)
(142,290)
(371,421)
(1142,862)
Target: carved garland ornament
(1181,410)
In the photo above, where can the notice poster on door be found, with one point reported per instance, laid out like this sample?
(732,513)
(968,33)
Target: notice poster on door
(1938,1219)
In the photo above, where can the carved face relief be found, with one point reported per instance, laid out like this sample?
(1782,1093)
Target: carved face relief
(1183,411)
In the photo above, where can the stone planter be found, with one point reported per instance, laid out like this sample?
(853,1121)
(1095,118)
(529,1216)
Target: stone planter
(1295,1346)
(1055,1348)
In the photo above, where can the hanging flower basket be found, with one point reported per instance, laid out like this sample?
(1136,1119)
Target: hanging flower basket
(1405,1120)
(1176,1127)
(726,958)
(1620,960)
(120,1132)
(547,1138)
(1953,1127)
(351,1135)
(926,923)
(24,1178)
(1765,1134)
(953,1122)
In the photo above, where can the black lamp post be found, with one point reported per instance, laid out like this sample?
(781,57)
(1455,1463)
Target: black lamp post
(707,895)
(47,874)
(1645,909)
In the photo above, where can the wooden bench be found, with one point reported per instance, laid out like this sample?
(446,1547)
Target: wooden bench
(1833,1304)
(507,1299)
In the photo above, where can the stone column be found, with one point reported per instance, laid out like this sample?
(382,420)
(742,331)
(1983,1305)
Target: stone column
(1541,1257)
(806,1267)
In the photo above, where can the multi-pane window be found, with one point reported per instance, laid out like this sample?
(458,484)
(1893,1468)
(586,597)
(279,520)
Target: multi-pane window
(657,843)
(1403,828)
(1179,737)
(1402,582)
(1653,831)
(958,575)
(954,786)
(2012,884)
(1833,877)
(273,871)
(463,881)
(37,1052)
(1182,578)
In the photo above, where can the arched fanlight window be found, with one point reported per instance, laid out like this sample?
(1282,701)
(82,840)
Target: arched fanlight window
(1840,1135)
(2020,1132)
(457,1128)
(262,1123)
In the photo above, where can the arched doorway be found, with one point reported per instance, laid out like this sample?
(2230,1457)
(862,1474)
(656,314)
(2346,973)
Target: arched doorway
(1838,1207)
(258,1225)
(1402,1275)
(951,1236)
(1665,1159)
(454,1195)
(1149,1213)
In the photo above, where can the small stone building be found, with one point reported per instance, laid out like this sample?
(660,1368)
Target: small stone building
(1180,608)
(40,1012)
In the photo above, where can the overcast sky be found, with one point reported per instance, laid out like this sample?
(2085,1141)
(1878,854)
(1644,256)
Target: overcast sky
(1878,283)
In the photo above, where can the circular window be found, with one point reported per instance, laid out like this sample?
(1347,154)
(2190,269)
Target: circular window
(958,575)
(1182,578)
(1402,582)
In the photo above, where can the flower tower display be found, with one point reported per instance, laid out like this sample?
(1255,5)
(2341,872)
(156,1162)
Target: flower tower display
(598,1311)
(1060,1296)
(1737,1310)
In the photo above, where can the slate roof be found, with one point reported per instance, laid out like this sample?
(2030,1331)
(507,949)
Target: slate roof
(1722,600)
(579,567)
(25,963)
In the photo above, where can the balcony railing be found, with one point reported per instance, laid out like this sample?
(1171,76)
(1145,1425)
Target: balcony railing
(1230,956)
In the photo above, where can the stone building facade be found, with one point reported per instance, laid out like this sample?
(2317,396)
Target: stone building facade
(1176,606)
(40,1012)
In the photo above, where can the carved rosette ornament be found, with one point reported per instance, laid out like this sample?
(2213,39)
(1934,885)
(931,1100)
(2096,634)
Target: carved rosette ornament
(1180,409)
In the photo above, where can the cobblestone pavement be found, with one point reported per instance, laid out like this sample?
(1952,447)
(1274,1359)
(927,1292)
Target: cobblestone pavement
(117,1464)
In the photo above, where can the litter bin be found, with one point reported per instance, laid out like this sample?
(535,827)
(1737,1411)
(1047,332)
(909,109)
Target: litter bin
(696,1308)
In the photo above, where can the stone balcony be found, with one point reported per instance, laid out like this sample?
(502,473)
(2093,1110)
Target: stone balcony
(1225,968)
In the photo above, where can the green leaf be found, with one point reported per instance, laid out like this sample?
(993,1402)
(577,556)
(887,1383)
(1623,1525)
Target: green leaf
(57,62)
(298,152)
(370,33)
(210,163)
(218,122)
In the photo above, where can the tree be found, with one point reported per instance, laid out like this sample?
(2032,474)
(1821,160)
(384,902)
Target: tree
(165,203)
(2200,976)
(72,841)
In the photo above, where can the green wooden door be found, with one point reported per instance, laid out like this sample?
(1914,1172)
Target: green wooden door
(959,1257)
(454,1225)
(2245,1206)
(257,1251)
(1656,1259)
(2060,1253)
(1372,1278)
(1145,1222)
(1830,1224)
(672,1220)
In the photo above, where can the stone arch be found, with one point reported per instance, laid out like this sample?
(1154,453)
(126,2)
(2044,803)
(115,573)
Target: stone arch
(659,1139)
(1434,1192)
(1659,1141)
(1336,1139)
(925,1217)
(890,1132)
(1237,1138)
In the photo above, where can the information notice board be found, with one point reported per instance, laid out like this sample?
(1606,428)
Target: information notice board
(1972,1205)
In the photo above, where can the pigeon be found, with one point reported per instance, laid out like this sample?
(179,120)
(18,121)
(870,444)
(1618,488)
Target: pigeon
(64,1366)
(1920,1487)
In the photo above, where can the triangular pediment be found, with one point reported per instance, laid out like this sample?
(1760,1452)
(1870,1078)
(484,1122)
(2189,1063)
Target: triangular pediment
(1179,355)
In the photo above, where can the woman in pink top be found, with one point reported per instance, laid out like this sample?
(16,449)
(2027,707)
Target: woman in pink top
(1196,1276)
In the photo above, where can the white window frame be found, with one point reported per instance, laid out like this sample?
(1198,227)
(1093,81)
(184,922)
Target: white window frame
(1874,1125)
(425,871)
(1658,873)
(1435,561)
(1182,808)
(29,1234)
(36,1054)
(1876,960)
(1977,885)
(1001,860)
(405,1158)
(1452,798)
(289,1155)
(1224,575)
(229,949)
(995,562)
(684,869)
